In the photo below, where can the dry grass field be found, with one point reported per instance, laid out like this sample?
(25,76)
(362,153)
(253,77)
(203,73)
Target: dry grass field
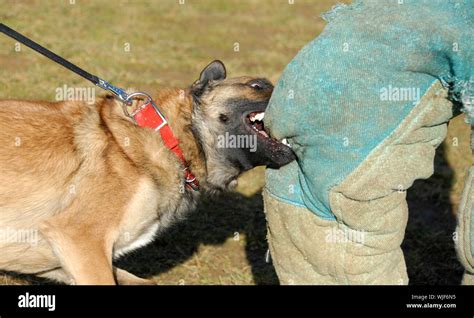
(153,44)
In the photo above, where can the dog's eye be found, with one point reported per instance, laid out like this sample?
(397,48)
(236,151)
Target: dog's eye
(257,86)
(223,118)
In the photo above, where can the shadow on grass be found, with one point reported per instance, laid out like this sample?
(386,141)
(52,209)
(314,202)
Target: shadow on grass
(428,245)
(215,221)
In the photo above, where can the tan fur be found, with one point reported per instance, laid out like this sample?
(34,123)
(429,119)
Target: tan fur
(91,182)
(92,186)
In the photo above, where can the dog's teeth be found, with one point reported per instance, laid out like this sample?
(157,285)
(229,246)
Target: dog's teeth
(254,117)
(285,142)
(259,116)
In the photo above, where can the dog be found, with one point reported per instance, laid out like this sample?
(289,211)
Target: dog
(87,185)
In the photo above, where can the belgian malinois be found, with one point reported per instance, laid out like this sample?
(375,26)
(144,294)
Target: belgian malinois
(82,185)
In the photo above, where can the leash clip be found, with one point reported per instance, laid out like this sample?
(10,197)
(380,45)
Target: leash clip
(120,93)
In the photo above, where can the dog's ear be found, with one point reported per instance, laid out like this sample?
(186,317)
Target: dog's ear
(215,71)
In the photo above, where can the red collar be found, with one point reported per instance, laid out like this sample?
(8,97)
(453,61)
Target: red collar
(149,116)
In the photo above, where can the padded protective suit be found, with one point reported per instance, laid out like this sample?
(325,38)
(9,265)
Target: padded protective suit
(364,106)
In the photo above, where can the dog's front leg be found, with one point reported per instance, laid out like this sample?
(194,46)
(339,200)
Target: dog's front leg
(83,250)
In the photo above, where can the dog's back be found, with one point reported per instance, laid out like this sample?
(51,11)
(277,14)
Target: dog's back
(37,153)
(86,167)
(36,156)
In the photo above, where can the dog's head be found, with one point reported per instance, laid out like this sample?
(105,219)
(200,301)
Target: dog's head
(228,121)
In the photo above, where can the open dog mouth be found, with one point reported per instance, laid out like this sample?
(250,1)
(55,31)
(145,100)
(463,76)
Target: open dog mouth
(255,122)
(271,152)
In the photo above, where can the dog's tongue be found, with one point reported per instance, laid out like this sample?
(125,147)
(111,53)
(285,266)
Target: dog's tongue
(262,132)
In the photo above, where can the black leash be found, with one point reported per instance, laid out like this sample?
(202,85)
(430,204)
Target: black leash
(120,93)
(148,115)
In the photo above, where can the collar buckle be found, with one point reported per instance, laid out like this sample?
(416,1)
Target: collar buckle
(148,115)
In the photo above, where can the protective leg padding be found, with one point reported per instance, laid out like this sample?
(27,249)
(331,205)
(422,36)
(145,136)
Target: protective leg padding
(307,250)
(465,230)
(363,245)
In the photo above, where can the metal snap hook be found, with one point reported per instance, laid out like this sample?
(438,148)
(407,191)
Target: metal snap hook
(129,101)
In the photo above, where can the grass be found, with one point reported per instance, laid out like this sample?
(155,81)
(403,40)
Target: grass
(224,241)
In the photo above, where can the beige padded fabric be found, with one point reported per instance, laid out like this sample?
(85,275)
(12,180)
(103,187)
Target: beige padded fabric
(468,278)
(363,245)
(464,235)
